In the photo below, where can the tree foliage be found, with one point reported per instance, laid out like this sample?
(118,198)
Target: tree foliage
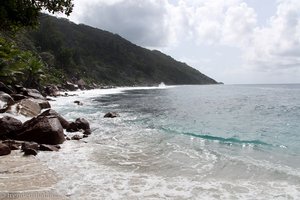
(18,66)
(19,13)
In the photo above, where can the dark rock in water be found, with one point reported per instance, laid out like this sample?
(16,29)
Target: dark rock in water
(71,86)
(82,123)
(5,101)
(78,103)
(33,93)
(5,88)
(87,132)
(18,97)
(43,130)
(76,137)
(52,90)
(30,145)
(13,144)
(4,149)
(111,115)
(9,126)
(63,121)
(45,147)
(28,152)
(72,127)
(85,136)
(29,107)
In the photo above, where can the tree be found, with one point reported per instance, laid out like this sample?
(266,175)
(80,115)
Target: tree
(19,13)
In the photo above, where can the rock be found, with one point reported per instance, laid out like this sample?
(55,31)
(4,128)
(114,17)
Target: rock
(18,97)
(71,86)
(4,88)
(30,145)
(78,103)
(72,127)
(52,90)
(76,137)
(5,101)
(111,115)
(4,149)
(45,147)
(28,152)
(87,132)
(9,126)
(51,112)
(29,107)
(33,93)
(81,84)
(85,136)
(44,104)
(43,130)
(19,88)
(13,144)
(82,123)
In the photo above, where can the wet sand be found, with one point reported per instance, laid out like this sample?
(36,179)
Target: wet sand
(26,178)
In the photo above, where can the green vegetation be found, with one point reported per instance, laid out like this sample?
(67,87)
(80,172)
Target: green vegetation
(19,13)
(18,66)
(58,50)
(83,52)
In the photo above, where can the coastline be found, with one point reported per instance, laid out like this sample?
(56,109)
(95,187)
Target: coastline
(31,177)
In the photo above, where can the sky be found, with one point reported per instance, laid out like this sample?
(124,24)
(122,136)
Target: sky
(232,41)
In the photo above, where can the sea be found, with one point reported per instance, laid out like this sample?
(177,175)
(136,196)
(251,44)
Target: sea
(182,142)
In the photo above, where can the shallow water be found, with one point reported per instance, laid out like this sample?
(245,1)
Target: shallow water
(186,142)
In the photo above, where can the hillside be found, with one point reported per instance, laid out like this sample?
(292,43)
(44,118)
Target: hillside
(78,51)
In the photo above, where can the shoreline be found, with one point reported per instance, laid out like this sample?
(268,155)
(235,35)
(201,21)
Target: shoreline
(27,177)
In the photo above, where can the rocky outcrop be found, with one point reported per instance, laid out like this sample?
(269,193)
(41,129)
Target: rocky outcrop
(50,112)
(82,123)
(4,149)
(29,107)
(42,129)
(111,115)
(5,101)
(70,86)
(9,126)
(33,93)
(52,90)
(79,124)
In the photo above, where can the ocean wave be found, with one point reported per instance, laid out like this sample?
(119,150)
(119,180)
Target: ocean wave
(222,140)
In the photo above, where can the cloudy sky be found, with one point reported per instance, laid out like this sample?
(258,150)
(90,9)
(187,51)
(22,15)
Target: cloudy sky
(233,41)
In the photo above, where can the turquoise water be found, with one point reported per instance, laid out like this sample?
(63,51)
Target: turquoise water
(188,142)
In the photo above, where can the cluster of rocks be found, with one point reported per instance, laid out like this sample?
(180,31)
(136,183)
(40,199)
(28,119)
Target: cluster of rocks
(45,129)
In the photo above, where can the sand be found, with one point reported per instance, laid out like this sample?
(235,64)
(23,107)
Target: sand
(26,178)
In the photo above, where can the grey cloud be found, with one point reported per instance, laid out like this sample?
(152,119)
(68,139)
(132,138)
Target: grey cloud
(142,22)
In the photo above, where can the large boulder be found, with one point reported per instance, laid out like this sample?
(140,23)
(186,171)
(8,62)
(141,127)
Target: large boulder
(42,129)
(63,121)
(29,107)
(5,101)
(4,149)
(9,126)
(33,93)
